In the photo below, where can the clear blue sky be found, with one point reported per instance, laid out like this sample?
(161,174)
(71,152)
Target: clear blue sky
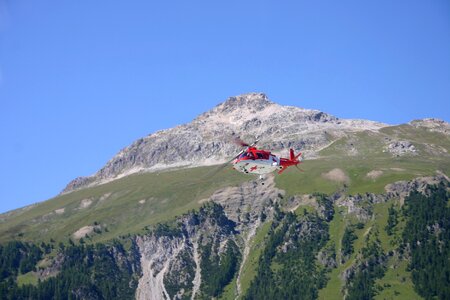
(79,80)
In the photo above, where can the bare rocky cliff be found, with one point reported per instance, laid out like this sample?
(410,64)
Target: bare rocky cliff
(206,140)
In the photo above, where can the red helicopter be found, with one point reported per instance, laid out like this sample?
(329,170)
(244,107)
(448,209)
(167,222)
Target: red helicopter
(254,161)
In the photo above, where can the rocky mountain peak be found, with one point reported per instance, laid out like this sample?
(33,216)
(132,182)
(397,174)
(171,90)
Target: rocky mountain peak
(238,108)
(206,140)
(255,101)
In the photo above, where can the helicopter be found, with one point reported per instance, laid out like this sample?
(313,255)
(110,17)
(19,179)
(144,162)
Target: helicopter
(256,161)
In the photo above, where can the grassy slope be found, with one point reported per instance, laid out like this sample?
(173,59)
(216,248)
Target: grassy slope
(370,155)
(251,264)
(250,268)
(166,195)
(28,278)
(337,227)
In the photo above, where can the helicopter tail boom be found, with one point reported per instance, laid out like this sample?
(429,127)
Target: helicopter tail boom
(293,160)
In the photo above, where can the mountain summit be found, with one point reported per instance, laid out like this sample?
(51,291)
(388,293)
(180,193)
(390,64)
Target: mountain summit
(206,140)
(253,101)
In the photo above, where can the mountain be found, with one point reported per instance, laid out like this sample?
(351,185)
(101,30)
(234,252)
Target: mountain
(207,139)
(368,217)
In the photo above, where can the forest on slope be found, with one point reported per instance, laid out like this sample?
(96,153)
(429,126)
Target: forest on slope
(298,256)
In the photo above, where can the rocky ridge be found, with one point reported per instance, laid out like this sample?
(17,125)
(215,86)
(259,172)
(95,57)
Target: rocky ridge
(433,125)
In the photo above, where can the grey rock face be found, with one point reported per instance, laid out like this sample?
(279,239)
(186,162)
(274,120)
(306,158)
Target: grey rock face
(53,268)
(79,182)
(402,189)
(171,264)
(327,257)
(400,148)
(207,139)
(246,203)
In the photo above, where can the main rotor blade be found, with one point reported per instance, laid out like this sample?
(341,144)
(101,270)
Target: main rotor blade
(239,142)
(255,142)
(301,170)
(224,165)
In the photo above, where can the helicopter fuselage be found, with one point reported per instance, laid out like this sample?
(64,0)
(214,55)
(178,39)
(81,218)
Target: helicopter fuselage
(258,166)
